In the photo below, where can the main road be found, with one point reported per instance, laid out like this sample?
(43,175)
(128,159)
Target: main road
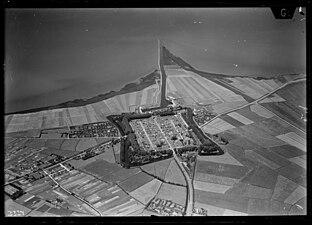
(164,103)
(190,190)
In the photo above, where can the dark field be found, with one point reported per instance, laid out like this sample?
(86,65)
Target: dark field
(294,93)
(287,151)
(135,181)
(287,111)
(102,168)
(295,173)
(258,136)
(54,143)
(232,121)
(36,143)
(262,177)
(110,172)
(246,112)
(271,155)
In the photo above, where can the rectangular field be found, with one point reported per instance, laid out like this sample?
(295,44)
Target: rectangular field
(224,107)
(85,143)
(258,136)
(220,169)
(210,178)
(173,193)
(231,121)
(54,143)
(211,187)
(135,181)
(287,111)
(283,188)
(295,173)
(236,203)
(240,118)
(294,140)
(102,168)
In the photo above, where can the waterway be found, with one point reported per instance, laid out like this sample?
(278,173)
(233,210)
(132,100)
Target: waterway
(53,56)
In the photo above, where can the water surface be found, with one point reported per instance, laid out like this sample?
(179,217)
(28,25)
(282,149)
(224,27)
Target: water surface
(54,55)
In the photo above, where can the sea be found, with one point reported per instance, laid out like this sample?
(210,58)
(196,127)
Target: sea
(53,55)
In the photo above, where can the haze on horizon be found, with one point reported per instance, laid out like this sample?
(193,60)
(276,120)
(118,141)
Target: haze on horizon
(56,55)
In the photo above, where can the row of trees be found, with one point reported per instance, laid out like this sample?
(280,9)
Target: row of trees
(207,147)
(180,151)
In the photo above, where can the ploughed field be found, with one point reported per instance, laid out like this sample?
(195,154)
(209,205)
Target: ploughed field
(263,170)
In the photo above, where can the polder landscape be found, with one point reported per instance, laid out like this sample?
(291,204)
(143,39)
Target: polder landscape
(180,142)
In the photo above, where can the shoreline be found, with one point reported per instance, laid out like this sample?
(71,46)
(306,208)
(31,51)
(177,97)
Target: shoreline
(143,82)
(136,85)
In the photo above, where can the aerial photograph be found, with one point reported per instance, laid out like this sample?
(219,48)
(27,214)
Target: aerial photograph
(140,112)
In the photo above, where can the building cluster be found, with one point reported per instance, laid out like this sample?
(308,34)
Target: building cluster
(175,131)
(59,170)
(165,207)
(23,183)
(19,152)
(31,167)
(151,137)
(200,211)
(161,132)
(202,115)
(13,191)
(102,129)
(155,135)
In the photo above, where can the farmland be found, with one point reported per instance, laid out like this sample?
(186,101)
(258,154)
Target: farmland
(146,192)
(263,170)
(173,193)
(157,169)
(92,113)
(66,168)
(105,197)
(191,89)
(289,110)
